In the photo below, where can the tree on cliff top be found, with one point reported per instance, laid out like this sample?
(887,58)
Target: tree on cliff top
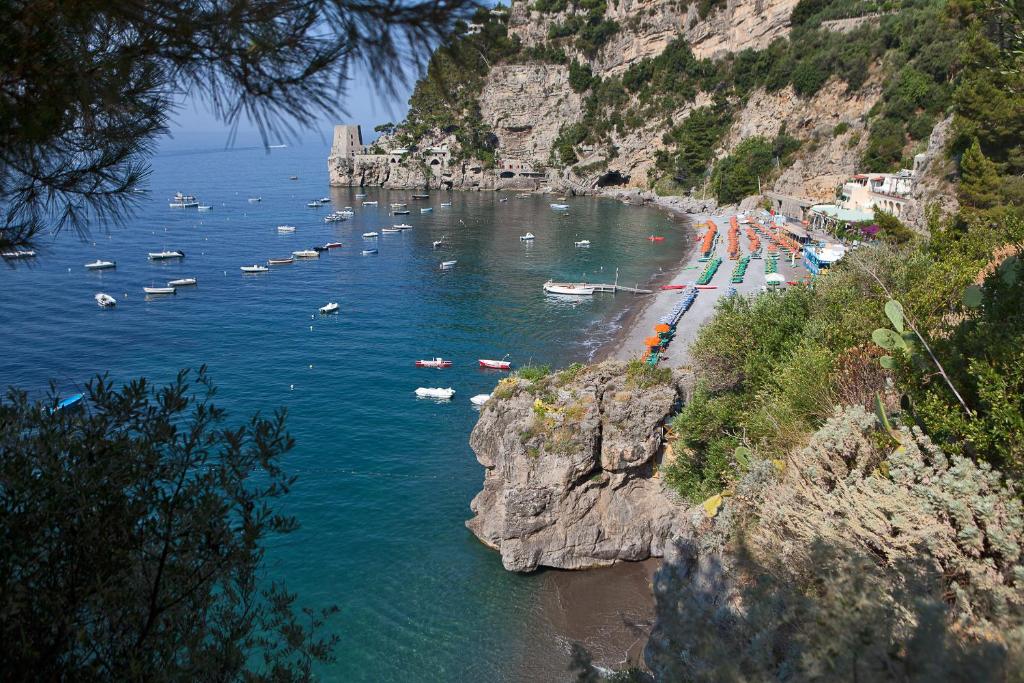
(86,87)
(131,541)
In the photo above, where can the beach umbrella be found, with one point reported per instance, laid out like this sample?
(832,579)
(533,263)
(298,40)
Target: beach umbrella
(662,328)
(774,279)
(652,341)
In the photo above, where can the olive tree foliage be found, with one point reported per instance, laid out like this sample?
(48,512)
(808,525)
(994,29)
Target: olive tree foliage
(131,541)
(87,86)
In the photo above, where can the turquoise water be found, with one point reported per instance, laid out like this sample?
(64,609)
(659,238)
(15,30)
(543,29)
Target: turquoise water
(385,480)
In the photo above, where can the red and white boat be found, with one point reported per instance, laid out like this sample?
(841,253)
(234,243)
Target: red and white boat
(434,363)
(332,245)
(495,364)
(656,238)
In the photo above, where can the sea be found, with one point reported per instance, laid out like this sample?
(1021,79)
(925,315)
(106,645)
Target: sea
(384,479)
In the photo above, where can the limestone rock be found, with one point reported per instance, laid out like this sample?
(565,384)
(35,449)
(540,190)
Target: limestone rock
(570,467)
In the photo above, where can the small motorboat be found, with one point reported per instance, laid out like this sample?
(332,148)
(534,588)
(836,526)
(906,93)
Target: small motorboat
(279,261)
(332,245)
(480,399)
(402,226)
(370,235)
(360,195)
(105,300)
(313,204)
(656,238)
(100,265)
(527,237)
(369,252)
(448,265)
(254,268)
(400,212)
(434,363)
(204,207)
(331,307)
(427,210)
(159,290)
(18,253)
(283,229)
(293,177)
(183,201)
(438,392)
(667,287)
(398,205)
(164,255)
(421,196)
(390,231)
(560,207)
(183,282)
(582,243)
(306,253)
(325,200)
(567,288)
(69,402)
(495,364)
(446,203)
(255,200)
(373,203)
(440,243)
(503,199)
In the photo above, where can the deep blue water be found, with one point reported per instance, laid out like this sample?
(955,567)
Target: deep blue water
(385,480)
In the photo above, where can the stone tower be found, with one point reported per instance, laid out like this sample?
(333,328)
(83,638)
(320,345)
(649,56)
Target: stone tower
(348,141)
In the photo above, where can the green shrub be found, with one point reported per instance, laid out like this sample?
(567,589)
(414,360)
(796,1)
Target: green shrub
(737,175)
(840,128)
(642,376)
(533,373)
(580,76)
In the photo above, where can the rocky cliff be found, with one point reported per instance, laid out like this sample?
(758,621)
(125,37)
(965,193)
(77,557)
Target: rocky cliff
(571,469)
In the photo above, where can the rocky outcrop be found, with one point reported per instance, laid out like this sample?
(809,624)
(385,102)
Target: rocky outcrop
(571,469)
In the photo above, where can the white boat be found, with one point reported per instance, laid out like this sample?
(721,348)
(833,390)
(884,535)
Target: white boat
(159,290)
(279,261)
(255,200)
(306,253)
(446,203)
(559,207)
(285,229)
(183,201)
(325,200)
(480,399)
(373,203)
(390,231)
(582,243)
(164,255)
(369,252)
(183,282)
(370,235)
(254,268)
(447,265)
(403,226)
(437,392)
(440,243)
(313,204)
(428,210)
(105,300)
(360,196)
(100,265)
(580,289)
(527,237)
(18,253)
(398,205)
(204,207)
(331,307)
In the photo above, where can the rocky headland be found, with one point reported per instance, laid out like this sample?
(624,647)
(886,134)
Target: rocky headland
(571,468)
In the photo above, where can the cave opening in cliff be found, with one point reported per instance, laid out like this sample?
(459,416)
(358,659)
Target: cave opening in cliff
(612,178)
(507,174)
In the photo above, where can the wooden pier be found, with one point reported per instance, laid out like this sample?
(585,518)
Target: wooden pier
(604,287)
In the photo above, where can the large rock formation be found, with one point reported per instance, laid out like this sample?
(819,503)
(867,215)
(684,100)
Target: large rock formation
(571,469)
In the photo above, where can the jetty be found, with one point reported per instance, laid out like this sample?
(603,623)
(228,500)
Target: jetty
(597,287)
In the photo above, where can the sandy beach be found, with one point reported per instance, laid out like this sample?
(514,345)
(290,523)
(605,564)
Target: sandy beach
(641,324)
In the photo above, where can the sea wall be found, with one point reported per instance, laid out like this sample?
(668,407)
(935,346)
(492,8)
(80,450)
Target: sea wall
(571,469)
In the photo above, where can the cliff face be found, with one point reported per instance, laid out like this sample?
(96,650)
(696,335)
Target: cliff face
(570,470)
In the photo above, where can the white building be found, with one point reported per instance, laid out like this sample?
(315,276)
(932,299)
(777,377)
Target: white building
(890,192)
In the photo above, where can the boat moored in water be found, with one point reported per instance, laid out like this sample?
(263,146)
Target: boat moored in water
(370,235)
(369,252)
(255,200)
(306,253)
(183,282)
(159,290)
(373,203)
(427,210)
(183,201)
(400,212)
(165,255)
(331,307)
(559,207)
(494,364)
(573,289)
(480,399)
(69,402)
(101,265)
(421,196)
(656,238)
(332,245)
(582,243)
(527,237)
(448,265)
(435,392)
(285,229)
(254,268)
(434,363)
(279,261)
(104,300)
